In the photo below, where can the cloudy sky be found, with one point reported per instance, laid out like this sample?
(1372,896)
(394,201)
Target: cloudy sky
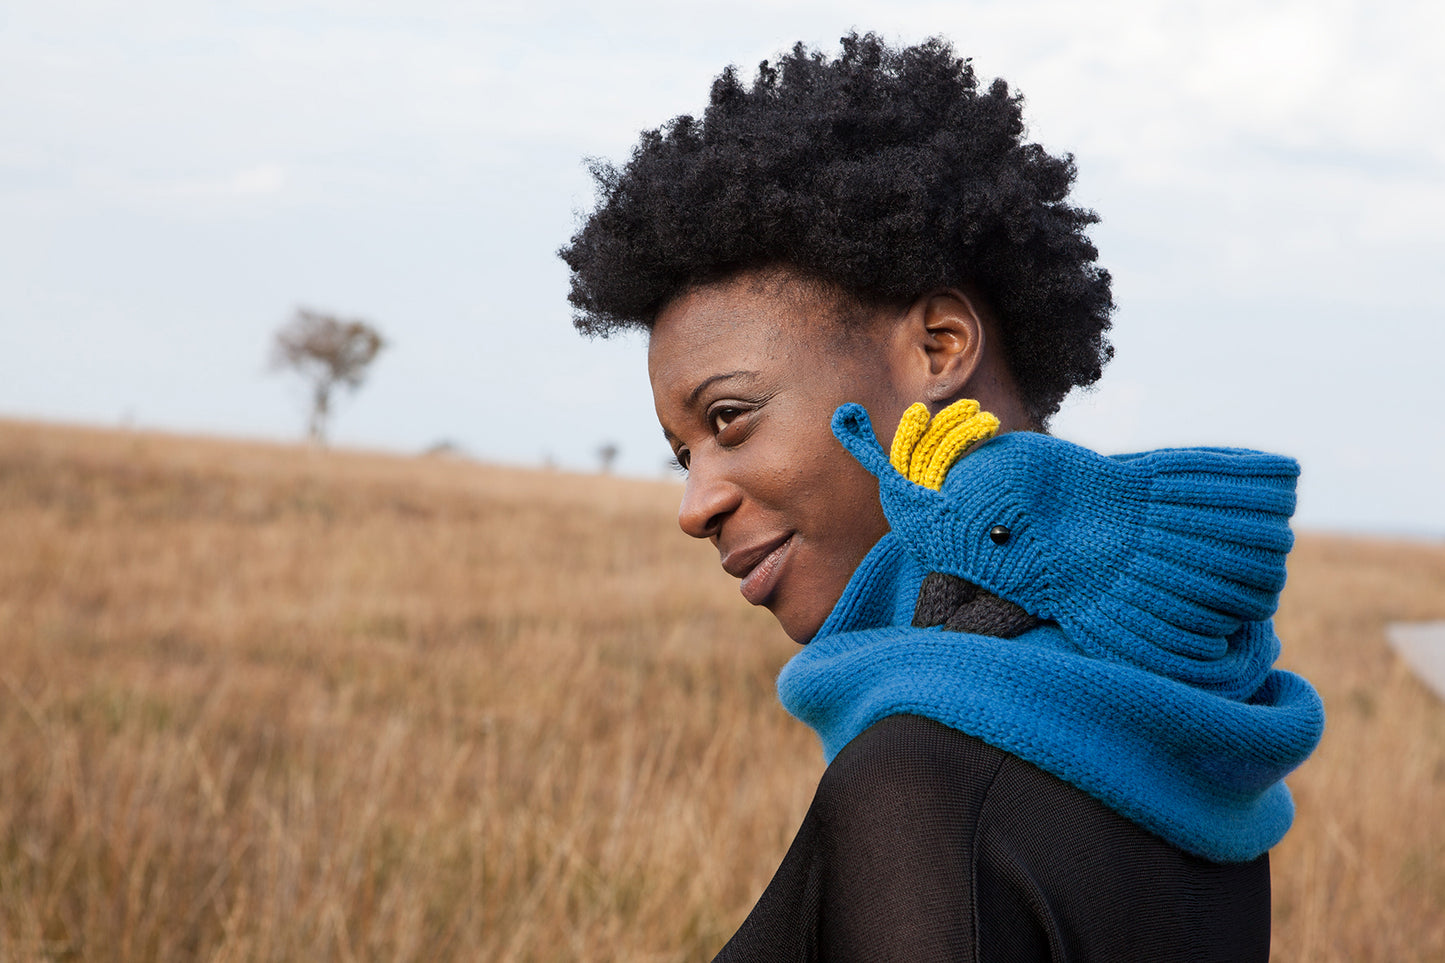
(176,178)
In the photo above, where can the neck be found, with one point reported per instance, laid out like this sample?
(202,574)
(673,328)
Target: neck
(992,385)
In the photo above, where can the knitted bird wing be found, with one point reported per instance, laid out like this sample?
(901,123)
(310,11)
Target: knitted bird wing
(1157,559)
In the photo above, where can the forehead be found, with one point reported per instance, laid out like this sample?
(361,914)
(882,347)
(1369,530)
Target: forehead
(754,315)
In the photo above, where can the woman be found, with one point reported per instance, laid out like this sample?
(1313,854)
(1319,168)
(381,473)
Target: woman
(1043,678)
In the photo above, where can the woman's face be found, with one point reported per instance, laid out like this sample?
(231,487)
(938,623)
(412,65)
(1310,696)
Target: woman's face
(746,374)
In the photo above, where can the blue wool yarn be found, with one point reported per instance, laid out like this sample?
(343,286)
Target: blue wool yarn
(1150,686)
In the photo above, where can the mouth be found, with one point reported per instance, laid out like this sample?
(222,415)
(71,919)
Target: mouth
(759,567)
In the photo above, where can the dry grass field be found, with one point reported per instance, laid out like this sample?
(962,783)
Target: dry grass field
(263,703)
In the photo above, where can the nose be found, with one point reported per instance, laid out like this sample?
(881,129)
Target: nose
(707,500)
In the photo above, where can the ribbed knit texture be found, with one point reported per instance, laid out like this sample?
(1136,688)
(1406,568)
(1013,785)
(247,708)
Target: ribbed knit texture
(1154,688)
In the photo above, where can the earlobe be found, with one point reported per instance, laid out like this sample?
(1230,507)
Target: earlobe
(953,343)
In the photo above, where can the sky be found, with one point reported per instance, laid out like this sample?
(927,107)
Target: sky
(177,178)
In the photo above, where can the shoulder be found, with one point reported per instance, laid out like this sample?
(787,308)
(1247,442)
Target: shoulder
(902,803)
(924,843)
(1041,868)
(905,761)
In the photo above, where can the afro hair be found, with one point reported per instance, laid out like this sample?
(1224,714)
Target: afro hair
(885,173)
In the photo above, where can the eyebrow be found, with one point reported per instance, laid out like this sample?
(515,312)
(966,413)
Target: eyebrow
(703,385)
(695,393)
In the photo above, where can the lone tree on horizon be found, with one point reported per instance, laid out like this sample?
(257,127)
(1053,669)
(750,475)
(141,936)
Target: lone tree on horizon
(328,352)
(607,454)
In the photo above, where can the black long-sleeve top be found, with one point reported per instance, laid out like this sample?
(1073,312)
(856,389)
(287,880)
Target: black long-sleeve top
(924,844)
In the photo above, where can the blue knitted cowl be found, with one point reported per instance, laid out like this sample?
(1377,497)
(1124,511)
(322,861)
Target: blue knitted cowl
(1151,683)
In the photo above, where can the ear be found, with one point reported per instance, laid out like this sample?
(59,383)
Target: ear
(950,340)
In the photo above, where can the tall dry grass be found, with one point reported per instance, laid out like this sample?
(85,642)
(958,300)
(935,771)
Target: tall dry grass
(262,703)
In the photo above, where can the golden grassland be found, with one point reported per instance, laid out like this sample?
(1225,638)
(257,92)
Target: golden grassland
(265,703)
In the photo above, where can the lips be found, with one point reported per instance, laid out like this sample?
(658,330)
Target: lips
(759,567)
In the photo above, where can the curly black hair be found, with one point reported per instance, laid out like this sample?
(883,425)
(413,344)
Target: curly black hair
(885,173)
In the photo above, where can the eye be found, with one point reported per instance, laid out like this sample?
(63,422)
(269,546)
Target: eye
(680,460)
(721,418)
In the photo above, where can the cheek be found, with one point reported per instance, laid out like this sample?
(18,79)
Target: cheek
(850,517)
(829,495)
(862,526)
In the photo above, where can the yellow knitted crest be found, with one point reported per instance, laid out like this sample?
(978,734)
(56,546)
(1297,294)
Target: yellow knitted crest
(923,452)
(905,439)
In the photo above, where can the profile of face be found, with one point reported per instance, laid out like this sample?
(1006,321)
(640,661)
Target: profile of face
(746,374)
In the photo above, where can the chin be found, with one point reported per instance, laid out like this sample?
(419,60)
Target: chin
(800,627)
(802,613)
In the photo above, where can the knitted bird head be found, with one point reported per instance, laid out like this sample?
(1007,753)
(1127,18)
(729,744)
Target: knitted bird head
(1156,559)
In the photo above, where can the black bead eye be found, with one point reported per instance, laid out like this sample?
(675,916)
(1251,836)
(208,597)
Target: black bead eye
(999,534)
